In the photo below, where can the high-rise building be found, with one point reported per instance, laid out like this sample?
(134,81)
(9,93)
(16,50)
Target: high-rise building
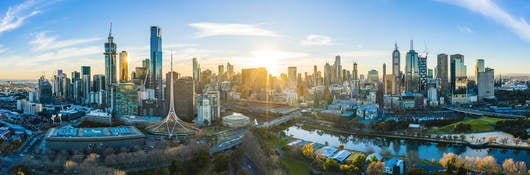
(221,70)
(479,67)
(430,73)
(396,56)
(75,76)
(126,99)
(291,76)
(254,79)
(155,69)
(411,70)
(422,68)
(458,74)
(384,74)
(124,67)
(110,70)
(337,70)
(486,84)
(98,83)
(45,90)
(442,73)
(86,82)
(196,73)
(355,72)
(184,98)
(373,76)
(230,70)
(390,85)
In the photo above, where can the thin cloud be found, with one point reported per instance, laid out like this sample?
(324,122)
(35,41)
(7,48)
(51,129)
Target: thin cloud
(42,42)
(16,15)
(316,40)
(66,53)
(2,49)
(207,29)
(491,10)
(464,29)
(365,53)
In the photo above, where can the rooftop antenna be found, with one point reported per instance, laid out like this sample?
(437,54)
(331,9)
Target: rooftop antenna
(395,45)
(110,31)
(411,45)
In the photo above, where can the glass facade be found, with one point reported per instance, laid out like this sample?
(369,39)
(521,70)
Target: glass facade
(155,70)
(126,99)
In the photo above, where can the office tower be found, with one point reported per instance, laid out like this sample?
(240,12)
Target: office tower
(430,73)
(45,90)
(411,70)
(230,70)
(254,79)
(390,86)
(60,84)
(373,76)
(75,76)
(355,72)
(155,69)
(327,74)
(422,68)
(126,99)
(139,75)
(337,70)
(458,74)
(184,98)
(196,73)
(124,67)
(396,56)
(442,73)
(86,83)
(221,70)
(384,74)
(291,76)
(98,83)
(486,84)
(110,70)
(479,67)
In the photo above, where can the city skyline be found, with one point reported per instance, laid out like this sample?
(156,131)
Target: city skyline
(37,38)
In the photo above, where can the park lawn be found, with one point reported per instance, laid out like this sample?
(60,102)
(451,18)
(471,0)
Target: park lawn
(295,167)
(491,119)
(482,124)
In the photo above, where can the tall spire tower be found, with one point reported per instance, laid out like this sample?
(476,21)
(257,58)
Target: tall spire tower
(172,125)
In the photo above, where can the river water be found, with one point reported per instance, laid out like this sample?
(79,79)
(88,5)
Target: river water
(410,148)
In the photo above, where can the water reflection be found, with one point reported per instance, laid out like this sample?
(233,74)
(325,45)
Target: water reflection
(409,148)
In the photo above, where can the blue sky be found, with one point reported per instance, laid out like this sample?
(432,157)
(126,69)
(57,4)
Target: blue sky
(40,36)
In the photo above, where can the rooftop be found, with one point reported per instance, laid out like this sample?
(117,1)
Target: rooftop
(109,132)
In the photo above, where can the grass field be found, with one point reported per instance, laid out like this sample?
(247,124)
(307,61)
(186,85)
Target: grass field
(481,124)
(295,167)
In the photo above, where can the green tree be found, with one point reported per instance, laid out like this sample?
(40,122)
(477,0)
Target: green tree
(330,164)
(358,163)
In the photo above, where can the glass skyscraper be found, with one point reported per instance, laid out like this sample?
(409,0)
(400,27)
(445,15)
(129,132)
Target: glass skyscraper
(458,74)
(155,70)
(110,70)
(411,70)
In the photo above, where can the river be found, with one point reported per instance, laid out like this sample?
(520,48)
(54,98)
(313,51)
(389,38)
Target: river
(420,149)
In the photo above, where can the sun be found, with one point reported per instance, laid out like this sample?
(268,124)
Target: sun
(267,59)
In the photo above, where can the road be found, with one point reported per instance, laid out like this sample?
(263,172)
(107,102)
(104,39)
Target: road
(14,158)
(280,120)
(486,113)
(252,169)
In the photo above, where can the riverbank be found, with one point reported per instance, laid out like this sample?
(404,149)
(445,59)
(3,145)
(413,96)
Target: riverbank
(438,138)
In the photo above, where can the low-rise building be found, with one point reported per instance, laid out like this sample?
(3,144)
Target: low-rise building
(69,138)
(395,166)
